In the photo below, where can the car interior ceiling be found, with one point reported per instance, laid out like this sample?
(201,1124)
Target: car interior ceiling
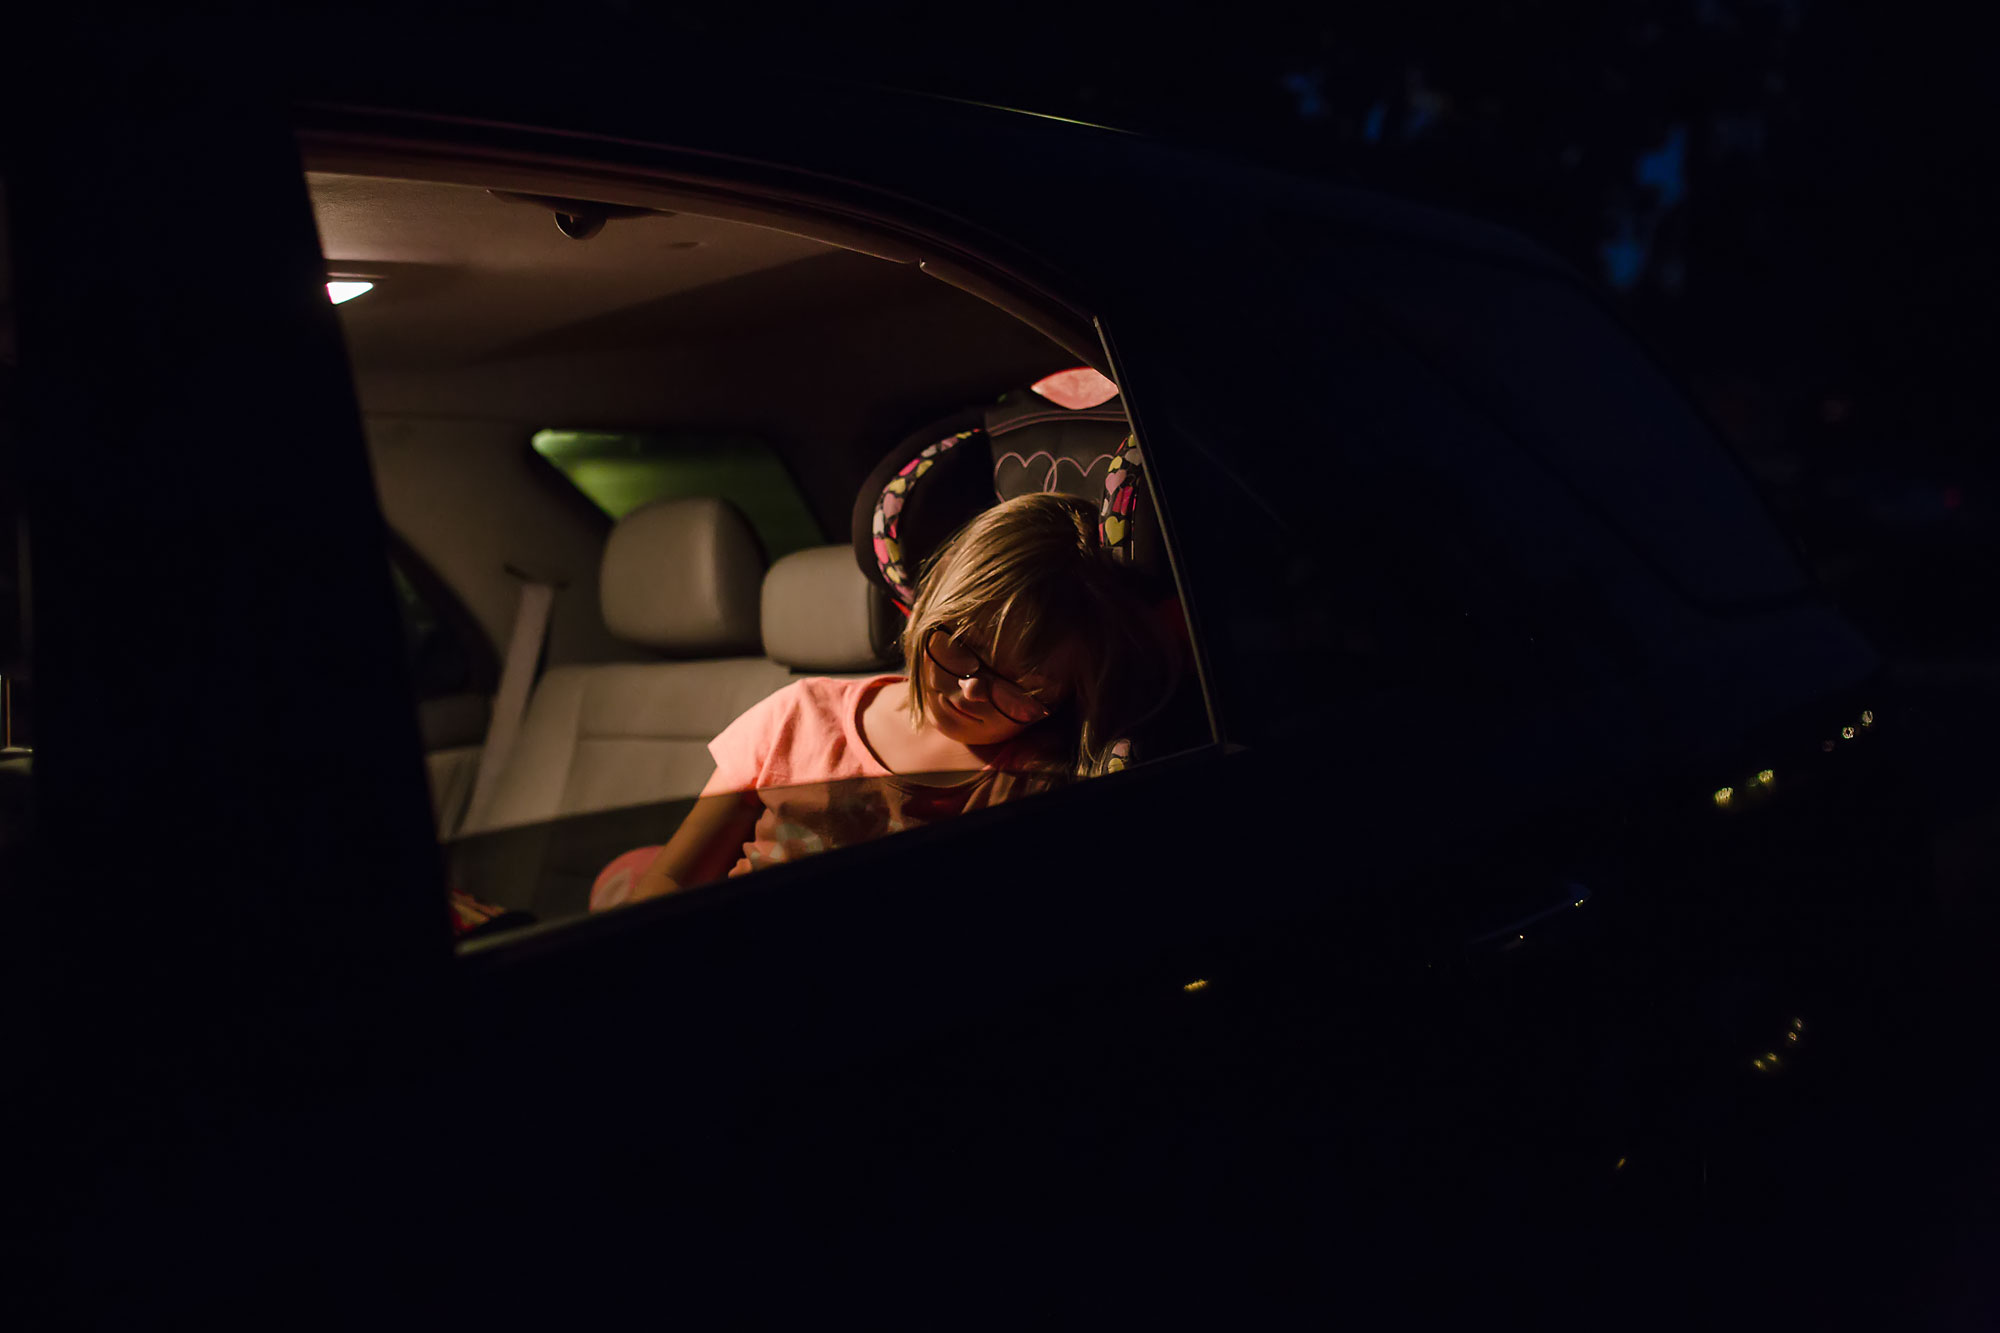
(488,323)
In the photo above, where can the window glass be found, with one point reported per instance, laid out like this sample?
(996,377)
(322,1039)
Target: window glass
(563,868)
(439,662)
(1543,361)
(452,675)
(621,470)
(1379,561)
(1388,597)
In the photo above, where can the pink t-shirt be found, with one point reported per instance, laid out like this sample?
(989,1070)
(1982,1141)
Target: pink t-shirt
(810,731)
(802,752)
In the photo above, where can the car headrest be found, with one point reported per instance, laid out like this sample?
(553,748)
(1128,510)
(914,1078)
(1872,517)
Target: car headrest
(1031,440)
(821,614)
(684,577)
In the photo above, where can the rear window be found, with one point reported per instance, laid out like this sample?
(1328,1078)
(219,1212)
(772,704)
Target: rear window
(441,653)
(1536,354)
(621,470)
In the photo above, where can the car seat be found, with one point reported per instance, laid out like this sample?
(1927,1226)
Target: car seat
(612,754)
(1067,433)
(684,579)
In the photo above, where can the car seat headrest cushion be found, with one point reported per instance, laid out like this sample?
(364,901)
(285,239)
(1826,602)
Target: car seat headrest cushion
(821,614)
(1125,519)
(685,578)
(937,479)
(949,482)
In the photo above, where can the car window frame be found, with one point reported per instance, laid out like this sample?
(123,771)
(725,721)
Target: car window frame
(770,195)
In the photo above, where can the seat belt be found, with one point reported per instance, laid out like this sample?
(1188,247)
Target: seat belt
(510,700)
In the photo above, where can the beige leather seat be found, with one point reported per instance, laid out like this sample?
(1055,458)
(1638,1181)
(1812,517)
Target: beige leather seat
(684,578)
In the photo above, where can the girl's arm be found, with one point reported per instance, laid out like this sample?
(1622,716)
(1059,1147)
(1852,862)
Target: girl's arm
(705,845)
(725,815)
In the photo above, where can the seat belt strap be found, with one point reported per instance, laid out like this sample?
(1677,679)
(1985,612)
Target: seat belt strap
(510,700)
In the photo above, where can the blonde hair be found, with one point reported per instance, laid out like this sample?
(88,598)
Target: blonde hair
(1034,565)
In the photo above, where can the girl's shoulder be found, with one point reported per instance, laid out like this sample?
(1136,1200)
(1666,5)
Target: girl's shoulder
(812,693)
(821,711)
(785,710)
(801,732)
(829,695)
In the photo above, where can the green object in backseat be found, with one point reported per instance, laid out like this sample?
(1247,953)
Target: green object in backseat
(621,470)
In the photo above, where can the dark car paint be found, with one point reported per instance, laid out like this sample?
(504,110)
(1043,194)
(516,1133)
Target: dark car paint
(263,996)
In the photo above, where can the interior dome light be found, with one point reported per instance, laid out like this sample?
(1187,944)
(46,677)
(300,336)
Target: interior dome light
(337,292)
(1076,389)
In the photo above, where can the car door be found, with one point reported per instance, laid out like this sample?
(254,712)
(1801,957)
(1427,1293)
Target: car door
(1515,741)
(1168,872)
(1013,1003)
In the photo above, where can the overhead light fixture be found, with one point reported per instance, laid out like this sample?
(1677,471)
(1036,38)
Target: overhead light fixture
(1076,389)
(338,292)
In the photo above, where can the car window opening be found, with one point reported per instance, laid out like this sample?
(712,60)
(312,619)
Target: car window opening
(789,452)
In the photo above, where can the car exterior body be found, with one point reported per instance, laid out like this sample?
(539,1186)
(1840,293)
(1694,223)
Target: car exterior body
(1544,829)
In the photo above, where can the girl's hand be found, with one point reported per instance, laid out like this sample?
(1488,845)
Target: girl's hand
(654,883)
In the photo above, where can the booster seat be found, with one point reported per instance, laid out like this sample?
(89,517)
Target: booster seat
(1067,433)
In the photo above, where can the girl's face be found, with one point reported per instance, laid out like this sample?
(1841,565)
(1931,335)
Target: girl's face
(961,687)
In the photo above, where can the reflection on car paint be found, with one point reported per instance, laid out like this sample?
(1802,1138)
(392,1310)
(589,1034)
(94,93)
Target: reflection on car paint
(1770,1062)
(1576,895)
(1765,779)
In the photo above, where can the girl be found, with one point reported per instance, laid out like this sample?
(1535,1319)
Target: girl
(1027,654)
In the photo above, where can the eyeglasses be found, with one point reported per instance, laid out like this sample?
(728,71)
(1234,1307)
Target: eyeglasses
(1015,703)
